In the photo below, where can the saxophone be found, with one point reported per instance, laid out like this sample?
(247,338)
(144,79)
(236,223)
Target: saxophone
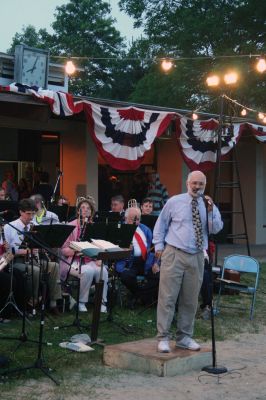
(7,256)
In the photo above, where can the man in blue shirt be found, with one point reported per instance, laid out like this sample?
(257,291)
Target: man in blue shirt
(180,242)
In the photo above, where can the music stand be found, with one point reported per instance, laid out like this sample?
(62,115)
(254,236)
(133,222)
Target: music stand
(121,234)
(71,215)
(118,234)
(52,236)
(12,209)
(60,211)
(149,221)
(108,216)
(36,239)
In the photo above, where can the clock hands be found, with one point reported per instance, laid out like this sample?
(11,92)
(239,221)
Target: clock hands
(34,65)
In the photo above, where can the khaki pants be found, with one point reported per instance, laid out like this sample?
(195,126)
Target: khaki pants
(53,283)
(36,279)
(181,276)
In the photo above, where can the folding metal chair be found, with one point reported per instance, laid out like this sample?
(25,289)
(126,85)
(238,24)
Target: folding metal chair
(244,265)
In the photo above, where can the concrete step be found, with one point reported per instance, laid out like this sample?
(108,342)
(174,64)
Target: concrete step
(142,356)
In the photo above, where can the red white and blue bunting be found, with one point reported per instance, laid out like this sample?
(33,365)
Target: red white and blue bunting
(123,135)
(198,140)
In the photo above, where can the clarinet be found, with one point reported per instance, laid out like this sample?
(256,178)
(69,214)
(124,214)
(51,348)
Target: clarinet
(83,229)
(35,256)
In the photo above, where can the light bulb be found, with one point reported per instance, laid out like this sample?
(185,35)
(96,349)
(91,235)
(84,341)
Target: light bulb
(70,67)
(230,78)
(243,112)
(213,80)
(166,65)
(261,65)
(195,116)
(260,115)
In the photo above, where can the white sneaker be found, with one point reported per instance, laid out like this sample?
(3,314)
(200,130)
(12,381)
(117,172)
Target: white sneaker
(103,308)
(82,307)
(188,343)
(163,346)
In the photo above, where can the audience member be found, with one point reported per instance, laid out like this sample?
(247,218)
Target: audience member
(157,192)
(9,186)
(44,187)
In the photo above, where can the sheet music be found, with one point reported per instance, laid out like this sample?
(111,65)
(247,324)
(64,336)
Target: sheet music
(79,246)
(104,244)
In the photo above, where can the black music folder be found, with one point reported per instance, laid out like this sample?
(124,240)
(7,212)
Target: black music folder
(149,220)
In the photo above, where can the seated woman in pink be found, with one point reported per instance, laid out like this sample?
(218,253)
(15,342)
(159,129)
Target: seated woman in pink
(90,269)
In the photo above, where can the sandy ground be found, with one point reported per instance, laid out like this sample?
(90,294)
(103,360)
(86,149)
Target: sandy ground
(245,358)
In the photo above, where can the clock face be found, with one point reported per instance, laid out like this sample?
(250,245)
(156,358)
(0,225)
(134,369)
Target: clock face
(34,67)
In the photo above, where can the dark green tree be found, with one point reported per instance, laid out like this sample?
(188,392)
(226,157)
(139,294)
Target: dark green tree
(84,28)
(31,37)
(194,28)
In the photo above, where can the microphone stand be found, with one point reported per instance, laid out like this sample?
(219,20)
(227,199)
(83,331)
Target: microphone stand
(211,369)
(39,362)
(77,321)
(11,299)
(60,173)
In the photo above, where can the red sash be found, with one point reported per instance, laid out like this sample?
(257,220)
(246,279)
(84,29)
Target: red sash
(142,246)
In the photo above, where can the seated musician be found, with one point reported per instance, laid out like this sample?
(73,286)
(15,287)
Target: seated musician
(146,206)
(90,269)
(117,205)
(43,216)
(141,262)
(15,239)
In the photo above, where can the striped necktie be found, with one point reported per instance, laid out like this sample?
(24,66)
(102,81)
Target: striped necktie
(197,224)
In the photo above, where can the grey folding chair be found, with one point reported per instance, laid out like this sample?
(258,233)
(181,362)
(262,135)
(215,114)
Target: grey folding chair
(249,273)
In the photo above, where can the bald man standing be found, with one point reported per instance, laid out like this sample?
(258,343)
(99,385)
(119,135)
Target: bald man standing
(180,238)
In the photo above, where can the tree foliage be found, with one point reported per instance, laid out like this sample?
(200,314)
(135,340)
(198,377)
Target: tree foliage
(84,28)
(194,28)
(31,37)
(173,28)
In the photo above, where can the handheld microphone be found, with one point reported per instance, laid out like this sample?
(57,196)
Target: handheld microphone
(205,199)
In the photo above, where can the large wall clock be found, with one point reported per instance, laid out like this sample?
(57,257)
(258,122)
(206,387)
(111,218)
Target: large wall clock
(31,66)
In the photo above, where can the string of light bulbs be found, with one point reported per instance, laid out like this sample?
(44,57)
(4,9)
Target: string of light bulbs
(260,115)
(167,63)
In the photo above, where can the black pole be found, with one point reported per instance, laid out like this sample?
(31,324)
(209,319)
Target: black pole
(212,369)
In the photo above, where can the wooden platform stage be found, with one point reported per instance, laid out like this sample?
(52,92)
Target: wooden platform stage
(142,356)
